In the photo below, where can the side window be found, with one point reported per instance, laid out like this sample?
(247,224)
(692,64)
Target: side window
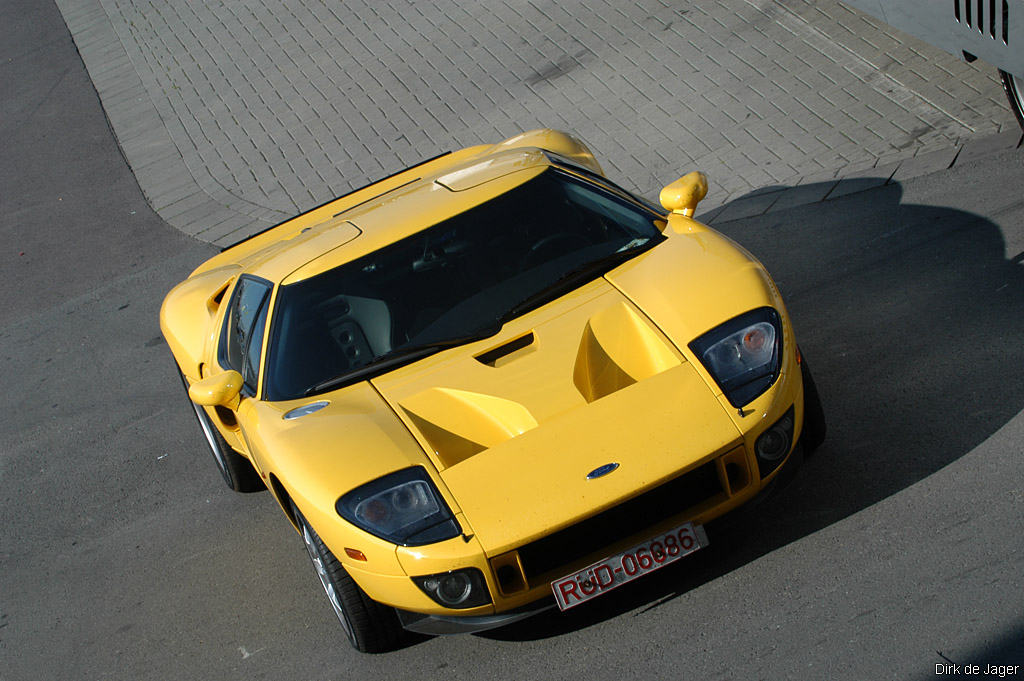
(250,370)
(242,334)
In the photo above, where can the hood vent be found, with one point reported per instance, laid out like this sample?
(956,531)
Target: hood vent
(491,357)
(618,349)
(459,424)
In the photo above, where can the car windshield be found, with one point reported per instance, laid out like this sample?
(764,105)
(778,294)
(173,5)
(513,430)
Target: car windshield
(451,283)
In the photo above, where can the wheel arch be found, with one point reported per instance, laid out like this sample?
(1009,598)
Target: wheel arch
(188,314)
(283,499)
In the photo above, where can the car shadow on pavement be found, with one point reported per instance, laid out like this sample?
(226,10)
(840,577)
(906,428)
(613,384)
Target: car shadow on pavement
(911,317)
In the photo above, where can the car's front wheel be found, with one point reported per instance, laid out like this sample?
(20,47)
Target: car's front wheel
(1014,86)
(369,626)
(814,414)
(236,470)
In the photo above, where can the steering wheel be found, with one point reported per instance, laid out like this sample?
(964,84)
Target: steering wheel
(551,246)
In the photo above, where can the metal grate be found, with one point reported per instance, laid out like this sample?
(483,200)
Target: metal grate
(988,17)
(608,527)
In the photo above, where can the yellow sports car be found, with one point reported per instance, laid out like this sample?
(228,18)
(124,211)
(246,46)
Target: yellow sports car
(493,383)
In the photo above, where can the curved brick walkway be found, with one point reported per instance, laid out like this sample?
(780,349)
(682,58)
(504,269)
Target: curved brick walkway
(237,115)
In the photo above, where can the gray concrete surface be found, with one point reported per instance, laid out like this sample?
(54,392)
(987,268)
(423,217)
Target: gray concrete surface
(235,116)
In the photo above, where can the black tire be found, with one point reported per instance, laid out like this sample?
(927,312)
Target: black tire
(368,625)
(814,415)
(1014,87)
(236,470)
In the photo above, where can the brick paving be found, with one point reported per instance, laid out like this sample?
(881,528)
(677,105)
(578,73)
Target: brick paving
(236,115)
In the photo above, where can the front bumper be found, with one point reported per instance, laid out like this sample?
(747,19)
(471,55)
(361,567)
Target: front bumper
(441,625)
(438,625)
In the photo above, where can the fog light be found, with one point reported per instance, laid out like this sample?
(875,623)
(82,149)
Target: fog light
(454,589)
(457,589)
(774,444)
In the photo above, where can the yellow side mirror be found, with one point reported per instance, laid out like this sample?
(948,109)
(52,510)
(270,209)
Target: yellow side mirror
(220,390)
(683,195)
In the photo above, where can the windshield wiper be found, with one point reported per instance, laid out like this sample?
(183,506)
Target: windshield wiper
(578,275)
(402,355)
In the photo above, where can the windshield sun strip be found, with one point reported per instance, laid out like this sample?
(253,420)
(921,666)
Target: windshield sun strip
(570,167)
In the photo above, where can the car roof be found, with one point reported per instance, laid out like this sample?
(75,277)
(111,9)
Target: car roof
(382,213)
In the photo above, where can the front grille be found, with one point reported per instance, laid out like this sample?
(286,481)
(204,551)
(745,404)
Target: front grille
(990,17)
(608,527)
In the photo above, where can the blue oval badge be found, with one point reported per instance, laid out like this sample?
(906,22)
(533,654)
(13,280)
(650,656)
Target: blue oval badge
(602,471)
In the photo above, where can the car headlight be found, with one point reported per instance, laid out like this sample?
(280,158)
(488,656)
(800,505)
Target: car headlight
(403,507)
(743,355)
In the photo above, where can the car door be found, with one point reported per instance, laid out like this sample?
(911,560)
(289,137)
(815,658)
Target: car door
(239,348)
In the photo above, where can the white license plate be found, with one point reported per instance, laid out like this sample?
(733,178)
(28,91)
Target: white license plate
(605,575)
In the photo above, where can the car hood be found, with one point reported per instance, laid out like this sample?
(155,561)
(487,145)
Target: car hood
(514,424)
